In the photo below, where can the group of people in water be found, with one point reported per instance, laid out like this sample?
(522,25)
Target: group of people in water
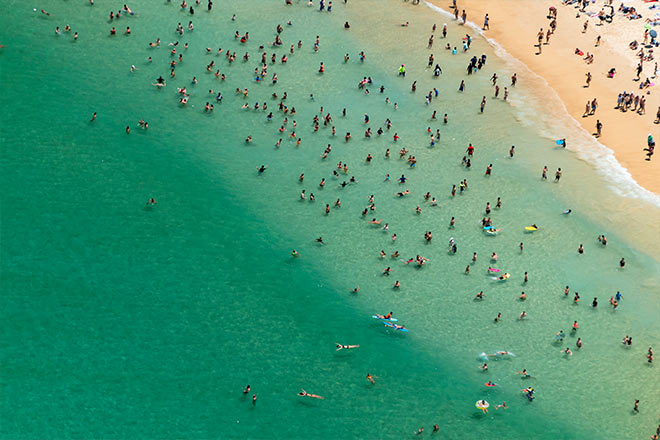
(324,117)
(475,64)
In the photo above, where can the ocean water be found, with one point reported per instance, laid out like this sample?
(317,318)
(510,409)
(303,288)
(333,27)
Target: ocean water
(126,321)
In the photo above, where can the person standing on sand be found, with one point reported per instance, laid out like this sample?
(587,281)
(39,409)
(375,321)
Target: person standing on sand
(486,24)
(539,37)
(588,75)
(464,16)
(650,146)
(599,127)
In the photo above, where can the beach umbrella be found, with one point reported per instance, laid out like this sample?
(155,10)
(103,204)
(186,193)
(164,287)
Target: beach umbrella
(653,33)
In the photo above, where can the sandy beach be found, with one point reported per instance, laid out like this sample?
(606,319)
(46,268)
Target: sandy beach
(515,25)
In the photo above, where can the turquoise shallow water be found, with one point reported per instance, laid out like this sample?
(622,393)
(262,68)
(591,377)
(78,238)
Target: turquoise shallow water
(125,322)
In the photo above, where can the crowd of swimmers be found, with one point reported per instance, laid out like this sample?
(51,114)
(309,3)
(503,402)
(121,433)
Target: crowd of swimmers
(476,63)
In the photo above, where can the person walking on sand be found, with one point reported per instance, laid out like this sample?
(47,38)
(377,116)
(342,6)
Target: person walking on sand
(539,37)
(599,127)
(588,75)
(486,23)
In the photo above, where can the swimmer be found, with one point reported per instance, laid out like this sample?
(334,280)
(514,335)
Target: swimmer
(567,352)
(524,373)
(370,378)
(347,347)
(502,406)
(523,315)
(304,393)
(356,289)
(246,389)
(262,168)
(295,253)
(320,240)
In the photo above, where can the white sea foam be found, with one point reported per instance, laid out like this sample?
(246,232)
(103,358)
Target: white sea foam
(589,149)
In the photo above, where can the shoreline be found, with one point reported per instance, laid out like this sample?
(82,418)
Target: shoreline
(566,74)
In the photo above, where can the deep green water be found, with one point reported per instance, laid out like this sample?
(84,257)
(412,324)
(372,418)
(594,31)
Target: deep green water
(125,322)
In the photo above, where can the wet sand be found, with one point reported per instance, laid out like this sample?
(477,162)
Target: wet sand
(514,25)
